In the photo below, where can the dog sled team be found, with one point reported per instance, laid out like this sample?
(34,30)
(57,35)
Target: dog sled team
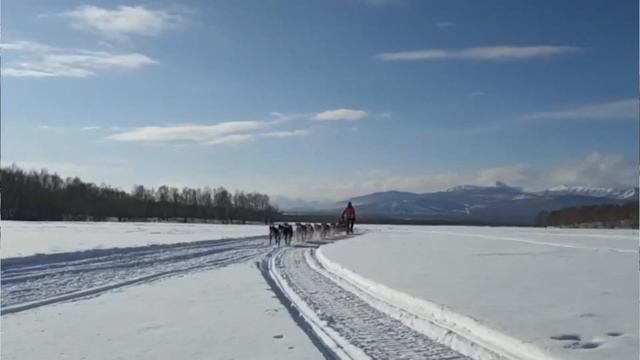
(305,232)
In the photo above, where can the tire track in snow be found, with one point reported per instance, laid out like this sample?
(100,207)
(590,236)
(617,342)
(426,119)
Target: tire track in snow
(40,280)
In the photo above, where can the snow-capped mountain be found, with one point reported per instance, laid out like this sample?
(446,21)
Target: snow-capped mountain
(602,192)
(492,204)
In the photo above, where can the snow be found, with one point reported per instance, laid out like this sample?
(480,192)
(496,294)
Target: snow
(163,291)
(527,284)
(332,340)
(40,280)
(227,313)
(622,194)
(22,238)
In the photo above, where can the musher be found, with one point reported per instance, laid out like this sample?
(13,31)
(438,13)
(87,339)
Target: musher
(349,214)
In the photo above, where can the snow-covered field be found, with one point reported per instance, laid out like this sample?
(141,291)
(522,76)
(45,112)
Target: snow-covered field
(532,285)
(39,280)
(24,238)
(142,291)
(228,313)
(196,291)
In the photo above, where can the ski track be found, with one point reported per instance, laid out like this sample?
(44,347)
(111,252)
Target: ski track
(379,336)
(39,280)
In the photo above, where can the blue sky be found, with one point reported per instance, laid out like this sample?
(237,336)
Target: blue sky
(323,99)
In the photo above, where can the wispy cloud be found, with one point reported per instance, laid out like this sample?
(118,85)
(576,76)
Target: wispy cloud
(620,109)
(231,139)
(602,170)
(36,60)
(445,24)
(121,21)
(487,53)
(242,138)
(595,169)
(340,114)
(234,132)
(230,132)
(327,115)
(188,132)
(282,117)
(90,128)
(284,134)
(54,129)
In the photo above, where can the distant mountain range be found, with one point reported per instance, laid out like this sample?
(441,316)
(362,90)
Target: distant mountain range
(299,205)
(499,204)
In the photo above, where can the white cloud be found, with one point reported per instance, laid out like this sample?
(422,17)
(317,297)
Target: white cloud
(197,133)
(54,129)
(122,21)
(340,114)
(284,134)
(230,132)
(31,59)
(26,46)
(487,53)
(241,138)
(621,109)
(90,128)
(595,170)
(231,139)
(327,115)
(445,24)
(282,117)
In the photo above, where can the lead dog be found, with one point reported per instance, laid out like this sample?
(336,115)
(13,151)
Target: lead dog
(274,234)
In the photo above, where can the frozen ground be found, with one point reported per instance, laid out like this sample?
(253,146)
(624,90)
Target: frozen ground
(24,238)
(393,292)
(570,293)
(199,300)
(226,313)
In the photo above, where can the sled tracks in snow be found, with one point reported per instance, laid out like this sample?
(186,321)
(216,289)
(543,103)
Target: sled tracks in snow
(346,325)
(38,280)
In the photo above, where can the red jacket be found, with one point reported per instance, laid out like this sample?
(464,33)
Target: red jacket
(349,213)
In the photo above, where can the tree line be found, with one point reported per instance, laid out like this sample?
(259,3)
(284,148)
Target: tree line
(597,215)
(39,195)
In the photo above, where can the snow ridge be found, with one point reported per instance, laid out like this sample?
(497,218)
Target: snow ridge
(459,332)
